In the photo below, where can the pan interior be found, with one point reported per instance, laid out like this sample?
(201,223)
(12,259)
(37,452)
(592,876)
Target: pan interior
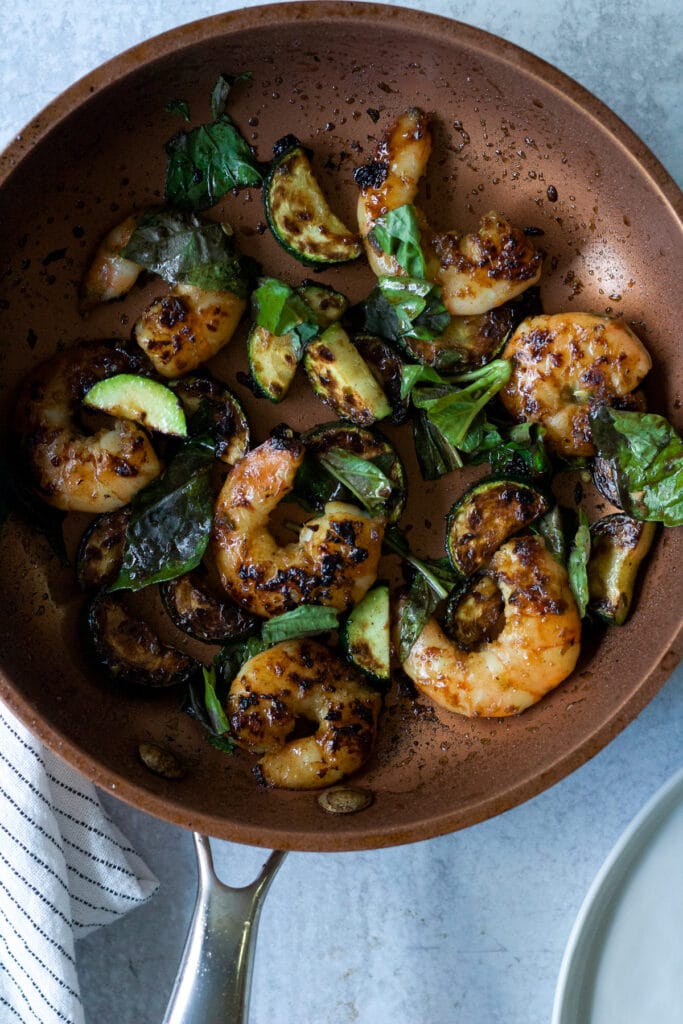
(509,135)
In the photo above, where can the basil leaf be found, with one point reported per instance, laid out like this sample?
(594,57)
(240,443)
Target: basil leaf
(436,456)
(420,313)
(553,528)
(416,608)
(416,373)
(437,572)
(180,248)
(221,91)
(578,561)
(306,620)
(398,234)
(280,310)
(207,162)
(214,709)
(362,477)
(170,523)
(522,454)
(453,413)
(180,107)
(646,456)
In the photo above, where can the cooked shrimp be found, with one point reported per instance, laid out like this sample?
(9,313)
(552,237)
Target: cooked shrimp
(186,327)
(110,275)
(536,648)
(71,469)
(295,681)
(564,363)
(476,272)
(333,563)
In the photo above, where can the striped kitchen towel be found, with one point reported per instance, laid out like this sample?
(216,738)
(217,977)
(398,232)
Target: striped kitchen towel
(65,869)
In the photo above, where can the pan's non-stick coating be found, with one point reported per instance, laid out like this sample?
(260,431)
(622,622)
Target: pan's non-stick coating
(510,134)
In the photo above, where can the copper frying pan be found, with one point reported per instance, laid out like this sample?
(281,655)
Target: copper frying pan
(511,133)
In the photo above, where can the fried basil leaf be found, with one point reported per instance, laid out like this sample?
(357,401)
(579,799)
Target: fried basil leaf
(417,607)
(180,248)
(452,412)
(522,453)
(208,161)
(554,528)
(170,522)
(279,310)
(362,477)
(578,561)
(398,235)
(646,457)
(436,456)
(306,620)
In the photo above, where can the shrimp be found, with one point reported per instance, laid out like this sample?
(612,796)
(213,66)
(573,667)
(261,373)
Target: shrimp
(73,470)
(110,275)
(333,563)
(186,327)
(295,681)
(564,363)
(476,272)
(536,648)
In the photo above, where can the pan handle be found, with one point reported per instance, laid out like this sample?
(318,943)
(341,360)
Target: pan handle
(214,978)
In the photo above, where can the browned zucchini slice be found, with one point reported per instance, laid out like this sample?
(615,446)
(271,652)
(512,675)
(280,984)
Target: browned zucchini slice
(198,611)
(341,377)
(475,613)
(129,650)
(618,546)
(486,515)
(100,552)
(211,405)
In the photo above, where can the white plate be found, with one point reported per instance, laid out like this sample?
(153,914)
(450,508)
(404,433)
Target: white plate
(624,958)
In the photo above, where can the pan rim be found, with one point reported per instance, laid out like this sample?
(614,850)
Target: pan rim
(427,26)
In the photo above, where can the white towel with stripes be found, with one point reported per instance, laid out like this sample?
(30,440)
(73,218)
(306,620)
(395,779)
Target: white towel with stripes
(65,869)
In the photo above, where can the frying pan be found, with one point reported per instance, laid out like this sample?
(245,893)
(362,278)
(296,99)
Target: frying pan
(511,133)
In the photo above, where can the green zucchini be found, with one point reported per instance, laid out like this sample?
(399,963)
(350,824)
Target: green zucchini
(386,367)
(327,304)
(129,650)
(341,377)
(365,637)
(475,613)
(212,407)
(194,608)
(273,359)
(472,341)
(618,546)
(316,486)
(486,515)
(298,213)
(100,552)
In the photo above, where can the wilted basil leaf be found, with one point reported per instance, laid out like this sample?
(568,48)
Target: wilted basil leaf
(416,608)
(554,528)
(214,708)
(221,91)
(362,477)
(452,413)
(646,457)
(398,235)
(180,107)
(522,453)
(420,313)
(416,373)
(207,162)
(437,572)
(578,561)
(180,248)
(280,310)
(436,456)
(306,620)
(170,523)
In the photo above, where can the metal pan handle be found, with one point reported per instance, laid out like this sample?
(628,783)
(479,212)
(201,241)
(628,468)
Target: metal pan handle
(214,978)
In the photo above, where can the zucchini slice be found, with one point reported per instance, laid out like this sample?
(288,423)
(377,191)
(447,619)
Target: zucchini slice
(316,486)
(469,342)
(129,650)
(100,552)
(298,213)
(273,359)
(386,367)
(486,515)
(194,607)
(475,613)
(341,377)
(365,637)
(211,405)
(618,546)
(327,304)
